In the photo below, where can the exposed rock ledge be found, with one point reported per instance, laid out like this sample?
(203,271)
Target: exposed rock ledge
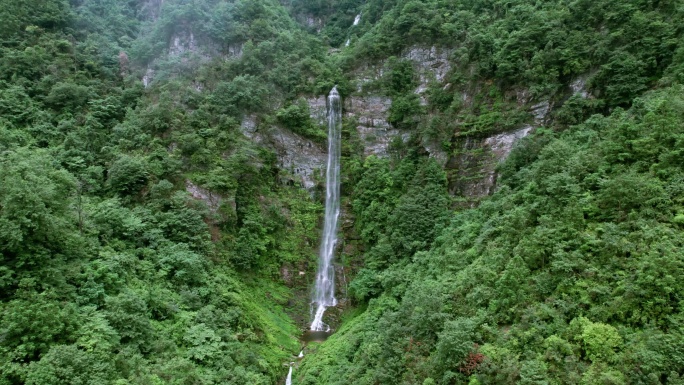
(212,200)
(302,157)
(472,170)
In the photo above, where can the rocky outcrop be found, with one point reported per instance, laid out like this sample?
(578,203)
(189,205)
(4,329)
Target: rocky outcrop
(212,200)
(579,87)
(311,22)
(248,126)
(371,114)
(148,77)
(234,51)
(430,62)
(471,170)
(151,9)
(301,157)
(318,109)
(371,110)
(182,42)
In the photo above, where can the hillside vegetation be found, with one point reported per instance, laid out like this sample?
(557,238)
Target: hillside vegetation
(112,271)
(570,273)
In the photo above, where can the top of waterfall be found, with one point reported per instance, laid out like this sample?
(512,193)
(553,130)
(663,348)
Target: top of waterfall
(357,19)
(334,92)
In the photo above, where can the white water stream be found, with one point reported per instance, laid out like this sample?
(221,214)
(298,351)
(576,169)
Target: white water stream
(324,291)
(288,380)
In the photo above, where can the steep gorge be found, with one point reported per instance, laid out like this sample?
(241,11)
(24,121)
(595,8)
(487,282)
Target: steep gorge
(510,192)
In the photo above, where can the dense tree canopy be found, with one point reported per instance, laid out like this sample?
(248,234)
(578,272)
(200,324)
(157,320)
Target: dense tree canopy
(151,234)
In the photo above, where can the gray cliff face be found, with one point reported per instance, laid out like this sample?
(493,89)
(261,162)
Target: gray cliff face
(471,166)
(372,110)
(579,87)
(371,114)
(318,109)
(430,62)
(374,131)
(212,200)
(182,42)
(151,8)
(304,159)
(471,170)
(300,156)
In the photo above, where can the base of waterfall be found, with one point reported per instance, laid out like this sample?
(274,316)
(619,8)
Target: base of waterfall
(315,336)
(317,324)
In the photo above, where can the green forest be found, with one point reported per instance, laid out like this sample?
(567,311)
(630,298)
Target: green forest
(160,224)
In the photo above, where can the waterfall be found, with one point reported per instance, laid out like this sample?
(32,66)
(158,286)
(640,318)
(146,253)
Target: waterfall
(288,380)
(357,19)
(324,291)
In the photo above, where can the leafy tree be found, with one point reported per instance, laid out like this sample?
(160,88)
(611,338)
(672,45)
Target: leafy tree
(127,175)
(66,364)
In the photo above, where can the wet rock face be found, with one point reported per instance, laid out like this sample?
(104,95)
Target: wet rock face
(302,157)
(299,155)
(318,109)
(212,200)
(182,42)
(430,62)
(472,170)
(371,113)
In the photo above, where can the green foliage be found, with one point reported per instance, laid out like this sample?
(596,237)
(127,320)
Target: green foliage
(600,340)
(51,14)
(336,17)
(538,45)
(297,118)
(127,175)
(405,111)
(110,272)
(420,212)
(66,364)
(32,324)
(35,199)
(455,342)
(566,275)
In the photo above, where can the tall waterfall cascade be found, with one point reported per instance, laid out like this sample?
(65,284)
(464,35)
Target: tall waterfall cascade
(324,291)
